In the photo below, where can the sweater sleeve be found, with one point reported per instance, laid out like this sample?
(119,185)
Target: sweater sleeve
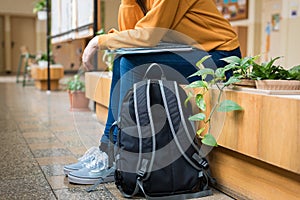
(129,14)
(148,31)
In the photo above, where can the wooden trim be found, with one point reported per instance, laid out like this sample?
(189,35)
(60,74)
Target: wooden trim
(243,177)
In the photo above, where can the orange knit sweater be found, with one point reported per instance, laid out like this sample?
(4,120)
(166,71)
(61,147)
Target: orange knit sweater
(196,22)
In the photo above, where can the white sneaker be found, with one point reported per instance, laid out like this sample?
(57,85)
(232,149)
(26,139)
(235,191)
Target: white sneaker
(88,157)
(92,172)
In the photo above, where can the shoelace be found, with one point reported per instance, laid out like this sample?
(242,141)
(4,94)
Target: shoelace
(99,163)
(89,154)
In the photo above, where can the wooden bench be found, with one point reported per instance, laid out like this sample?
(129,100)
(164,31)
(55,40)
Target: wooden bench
(98,89)
(258,156)
(40,76)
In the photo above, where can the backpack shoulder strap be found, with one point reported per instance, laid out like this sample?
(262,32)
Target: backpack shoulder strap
(145,128)
(173,95)
(145,125)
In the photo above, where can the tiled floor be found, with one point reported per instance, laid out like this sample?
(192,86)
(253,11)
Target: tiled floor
(38,136)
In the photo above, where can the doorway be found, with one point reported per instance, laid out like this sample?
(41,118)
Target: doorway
(23,33)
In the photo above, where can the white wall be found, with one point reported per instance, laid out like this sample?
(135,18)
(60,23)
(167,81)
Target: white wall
(291,30)
(285,40)
(19,8)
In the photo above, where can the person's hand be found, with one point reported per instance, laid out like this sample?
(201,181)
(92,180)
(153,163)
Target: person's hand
(89,52)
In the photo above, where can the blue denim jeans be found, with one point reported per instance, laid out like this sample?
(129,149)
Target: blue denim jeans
(129,69)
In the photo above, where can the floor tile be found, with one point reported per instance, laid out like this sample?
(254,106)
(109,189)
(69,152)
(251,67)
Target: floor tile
(37,134)
(31,187)
(56,160)
(14,152)
(49,145)
(19,169)
(78,151)
(30,195)
(60,182)
(53,170)
(80,193)
(11,138)
(8,126)
(50,139)
(51,152)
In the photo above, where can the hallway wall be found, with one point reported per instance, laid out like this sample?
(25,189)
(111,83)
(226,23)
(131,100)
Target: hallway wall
(17,7)
(36,41)
(284,37)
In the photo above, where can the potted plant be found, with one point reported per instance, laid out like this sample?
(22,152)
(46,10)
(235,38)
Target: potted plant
(76,90)
(265,75)
(42,59)
(201,89)
(40,8)
(274,77)
(241,68)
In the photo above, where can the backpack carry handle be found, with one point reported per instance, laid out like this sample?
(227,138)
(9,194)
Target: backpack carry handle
(163,77)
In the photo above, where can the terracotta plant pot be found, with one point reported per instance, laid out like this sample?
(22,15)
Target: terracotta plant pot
(246,83)
(278,84)
(78,101)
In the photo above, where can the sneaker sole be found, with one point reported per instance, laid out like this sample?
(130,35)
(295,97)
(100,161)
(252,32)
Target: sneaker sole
(67,171)
(88,181)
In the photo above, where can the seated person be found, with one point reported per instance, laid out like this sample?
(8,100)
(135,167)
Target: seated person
(144,23)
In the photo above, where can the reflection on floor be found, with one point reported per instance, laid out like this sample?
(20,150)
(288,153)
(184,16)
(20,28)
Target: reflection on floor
(38,136)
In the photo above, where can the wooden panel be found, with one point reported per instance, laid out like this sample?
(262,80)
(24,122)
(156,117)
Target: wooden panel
(268,129)
(69,53)
(38,73)
(103,96)
(246,178)
(101,113)
(280,132)
(98,87)
(43,84)
(91,79)
(242,124)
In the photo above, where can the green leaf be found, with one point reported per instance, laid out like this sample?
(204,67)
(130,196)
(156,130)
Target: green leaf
(209,140)
(200,102)
(198,84)
(203,72)
(230,66)
(100,32)
(228,105)
(189,96)
(200,131)
(232,59)
(220,73)
(294,73)
(232,79)
(197,117)
(270,64)
(40,5)
(206,71)
(199,64)
(75,84)
(247,60)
